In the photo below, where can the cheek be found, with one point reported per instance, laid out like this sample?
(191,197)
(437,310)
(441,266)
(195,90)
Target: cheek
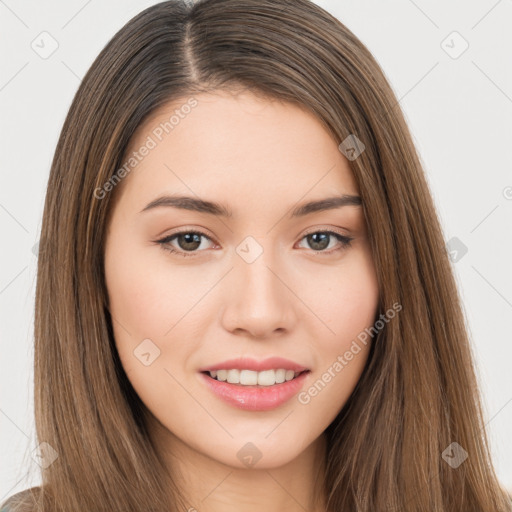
(140,303)
(143,310)
(147,295)
(348,308)
(344,300)
(154,308)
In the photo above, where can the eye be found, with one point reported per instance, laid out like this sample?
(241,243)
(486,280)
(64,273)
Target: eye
(320,240)
(188,241)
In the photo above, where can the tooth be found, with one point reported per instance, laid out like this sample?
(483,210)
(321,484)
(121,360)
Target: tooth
(280,376)
(267,378)
(289,375)
(253,378)
(233,376)
(248,377)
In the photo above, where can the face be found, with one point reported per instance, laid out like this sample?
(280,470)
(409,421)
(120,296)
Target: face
(253,275)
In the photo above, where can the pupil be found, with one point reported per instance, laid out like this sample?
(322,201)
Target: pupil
(190,238)
(318,245)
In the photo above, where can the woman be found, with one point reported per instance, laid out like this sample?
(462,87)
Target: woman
(298,342)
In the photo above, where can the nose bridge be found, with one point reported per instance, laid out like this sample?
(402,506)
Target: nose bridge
(258,301)
(257,278)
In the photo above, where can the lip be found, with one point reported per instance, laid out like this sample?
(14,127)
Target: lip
(255,398)
(247,363)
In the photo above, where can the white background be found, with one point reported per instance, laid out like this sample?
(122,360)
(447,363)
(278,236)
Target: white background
(459,111)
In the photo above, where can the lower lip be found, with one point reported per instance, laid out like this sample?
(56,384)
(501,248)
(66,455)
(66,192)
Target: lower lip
(256,398)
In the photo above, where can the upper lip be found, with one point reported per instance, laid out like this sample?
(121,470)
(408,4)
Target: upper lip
(246,363)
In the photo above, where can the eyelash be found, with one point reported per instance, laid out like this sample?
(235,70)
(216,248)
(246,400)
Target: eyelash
(345,242)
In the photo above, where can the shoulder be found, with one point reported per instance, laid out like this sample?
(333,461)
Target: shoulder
(23,501)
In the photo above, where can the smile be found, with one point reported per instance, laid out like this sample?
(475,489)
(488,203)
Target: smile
(255,397)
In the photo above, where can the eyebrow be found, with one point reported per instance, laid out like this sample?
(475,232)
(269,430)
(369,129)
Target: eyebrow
(217,209)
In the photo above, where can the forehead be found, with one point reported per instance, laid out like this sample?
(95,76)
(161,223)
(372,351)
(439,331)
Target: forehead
(237,148)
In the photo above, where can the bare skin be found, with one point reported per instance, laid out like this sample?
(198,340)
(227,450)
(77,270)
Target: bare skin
(303,298)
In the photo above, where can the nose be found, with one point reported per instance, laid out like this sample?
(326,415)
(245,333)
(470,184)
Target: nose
(259,300)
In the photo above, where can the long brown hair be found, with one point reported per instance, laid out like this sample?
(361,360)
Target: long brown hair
(418,392)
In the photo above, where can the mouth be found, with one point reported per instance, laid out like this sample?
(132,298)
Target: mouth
(252,390)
